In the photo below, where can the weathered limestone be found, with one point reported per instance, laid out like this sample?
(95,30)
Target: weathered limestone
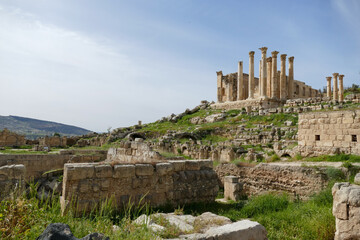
(54,141)
(12,178)
(335,89)
(346,209)
(341,88)
(274,76)
(232,188)
(290,94)
(283,88)
(37,164)
(251,75)
(299,181)
(328,88)
(176,182)
(263,78)
(333,132)
(134,151)
(220,86)
(240,85)
(10,139)
(269,82)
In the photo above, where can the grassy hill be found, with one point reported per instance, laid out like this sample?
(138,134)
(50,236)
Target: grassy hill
(33,128)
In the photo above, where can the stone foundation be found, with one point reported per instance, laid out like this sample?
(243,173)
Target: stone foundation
(11,179)
(329,133)
(172,182)
(263,103)
(133,152)
(37,164)
(346,209)
(301,182)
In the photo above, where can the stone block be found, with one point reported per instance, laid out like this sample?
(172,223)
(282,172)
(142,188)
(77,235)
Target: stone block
(205,164)
(103,171)
(192,165)
(124,171)
(144,169)
(164,168)
(78,171)
(178,165)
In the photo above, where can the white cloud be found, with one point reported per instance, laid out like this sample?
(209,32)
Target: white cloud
(52,73)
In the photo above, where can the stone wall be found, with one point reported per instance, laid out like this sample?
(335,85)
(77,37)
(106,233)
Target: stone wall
(346,209)
(329,133)
(172,182)
(37,164)
(54,141)
(298,181)
(11,178)
(133,152)
(11,139)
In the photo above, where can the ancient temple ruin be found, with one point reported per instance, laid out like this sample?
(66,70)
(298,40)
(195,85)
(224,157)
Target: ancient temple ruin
(271,89)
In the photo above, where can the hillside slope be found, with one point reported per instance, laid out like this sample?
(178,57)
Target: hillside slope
(33,128)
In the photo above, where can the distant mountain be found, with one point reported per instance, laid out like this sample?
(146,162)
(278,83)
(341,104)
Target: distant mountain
(33,128)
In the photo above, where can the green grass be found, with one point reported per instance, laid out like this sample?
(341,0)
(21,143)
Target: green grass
(282,217)
(335,158)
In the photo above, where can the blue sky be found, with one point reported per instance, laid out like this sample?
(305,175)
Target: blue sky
(100,64)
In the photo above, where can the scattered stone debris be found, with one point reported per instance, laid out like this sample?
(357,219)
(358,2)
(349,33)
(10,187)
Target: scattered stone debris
(205,226)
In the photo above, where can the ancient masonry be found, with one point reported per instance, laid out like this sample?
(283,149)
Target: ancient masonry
(173,182)
(330,132)
(346,209)
(11,139)
(271,89)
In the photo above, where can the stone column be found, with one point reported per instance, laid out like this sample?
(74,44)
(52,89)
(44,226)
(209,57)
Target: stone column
(263,91)
(219,86)
(268,80)
(240,82)
(291,78)
(259,82)
(251,75)
(328,89)
(341,88)
(335,90)
(274,80)
(283,89)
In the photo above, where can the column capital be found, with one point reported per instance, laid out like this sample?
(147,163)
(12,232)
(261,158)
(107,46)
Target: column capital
(283,57)
(274,54)
(263,50)
(328,79)
(219,73)
(269,59)
(251,54)
(335,75)
(291,59)
(341,76)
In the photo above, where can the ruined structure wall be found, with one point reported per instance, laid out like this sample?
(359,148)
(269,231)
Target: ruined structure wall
(11,178)
(346,209)
(133,152)
(10,139)
(174,182)
(53,141)
(37,164)
(329,133)
(298,181)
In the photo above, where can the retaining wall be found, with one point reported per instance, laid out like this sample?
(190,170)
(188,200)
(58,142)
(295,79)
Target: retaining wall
(172,182)
(11,178)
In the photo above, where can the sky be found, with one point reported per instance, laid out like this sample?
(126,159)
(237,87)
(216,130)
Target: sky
(107,64)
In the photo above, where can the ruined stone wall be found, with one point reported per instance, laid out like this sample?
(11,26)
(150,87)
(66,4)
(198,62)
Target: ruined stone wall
(10,139)
(37,164)
(346,209)
(133,152)
(298,181)
(329,133)
(174,182)
(11,178)
(54,141)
